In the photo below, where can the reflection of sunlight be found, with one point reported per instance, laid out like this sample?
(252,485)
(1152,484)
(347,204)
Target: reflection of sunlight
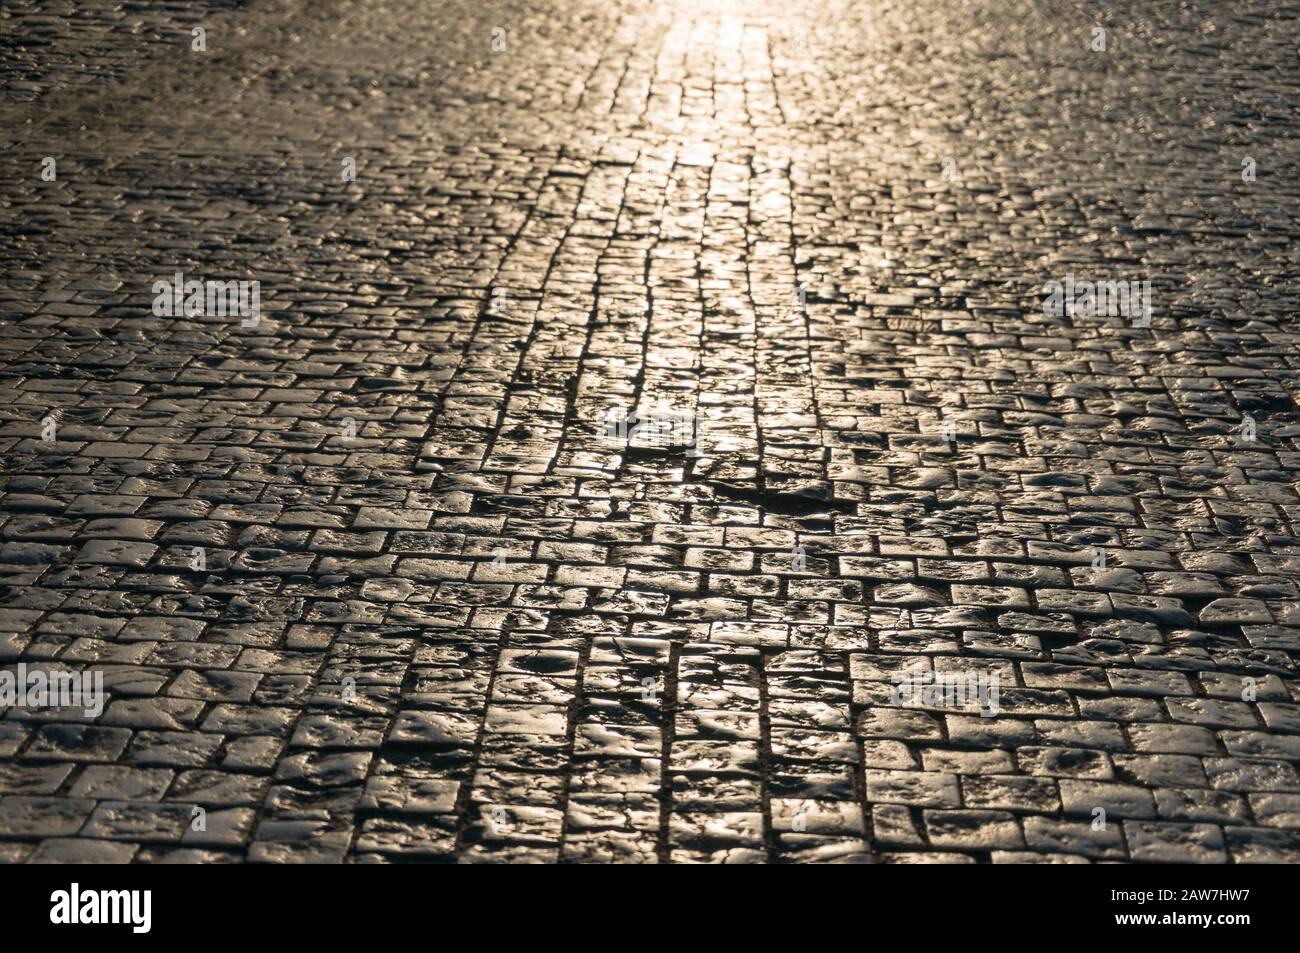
(774,204)
(730,31)
(737,8)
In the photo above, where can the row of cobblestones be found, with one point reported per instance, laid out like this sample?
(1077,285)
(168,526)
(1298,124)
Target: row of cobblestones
(373,579)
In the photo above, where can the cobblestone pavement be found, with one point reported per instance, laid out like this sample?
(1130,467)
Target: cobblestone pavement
(373,579)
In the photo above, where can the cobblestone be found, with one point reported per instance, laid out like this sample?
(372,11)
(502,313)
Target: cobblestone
(372,577)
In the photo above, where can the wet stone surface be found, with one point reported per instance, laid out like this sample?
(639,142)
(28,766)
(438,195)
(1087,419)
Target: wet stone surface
(377,577)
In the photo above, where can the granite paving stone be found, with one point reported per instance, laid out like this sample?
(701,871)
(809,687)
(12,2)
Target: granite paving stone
(861,431)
